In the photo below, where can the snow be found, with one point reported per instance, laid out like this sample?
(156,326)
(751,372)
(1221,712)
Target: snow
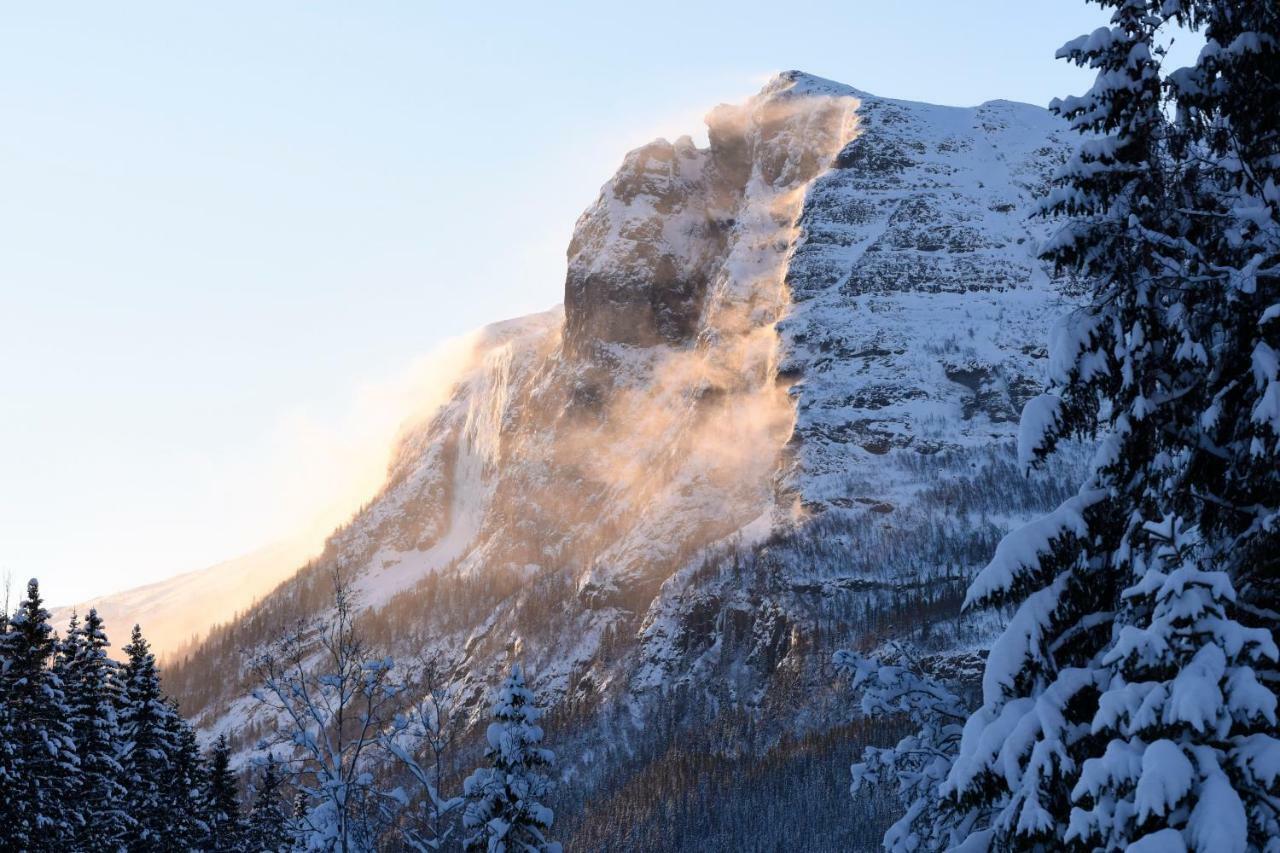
(392,572)
(1218,821)
(1019,552)
(1266,364)
(961,177)
(1040,416)
(1167,777)
(1196,699)
(1260,755)
(1120,765)
(1161,841)
(1069,340)
(1266,373)
(986,734)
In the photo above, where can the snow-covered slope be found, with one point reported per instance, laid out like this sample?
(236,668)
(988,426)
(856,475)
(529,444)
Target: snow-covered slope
(774,416)
(179,611)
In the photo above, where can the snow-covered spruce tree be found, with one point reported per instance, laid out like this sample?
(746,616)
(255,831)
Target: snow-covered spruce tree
(1186,722)
(8,747)
(40,755)
(147,749)
(1226,101)
(502,812)
(333,698)
(182,791)
(1196,663)
(221,806)
(896,684)
(267,828)
(91,681)
(1121,704)
(1064,572)
(300,828)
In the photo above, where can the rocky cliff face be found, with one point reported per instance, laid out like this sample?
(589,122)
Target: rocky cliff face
(648,254)
(774,417)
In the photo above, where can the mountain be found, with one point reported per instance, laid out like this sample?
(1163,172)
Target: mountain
(177,612)
(775,417)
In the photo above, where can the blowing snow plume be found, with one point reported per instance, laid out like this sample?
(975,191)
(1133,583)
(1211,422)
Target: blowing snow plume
(321,473)
(678,275)
(655,394)
(600,443)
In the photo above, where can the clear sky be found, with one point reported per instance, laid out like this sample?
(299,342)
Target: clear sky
(226,227)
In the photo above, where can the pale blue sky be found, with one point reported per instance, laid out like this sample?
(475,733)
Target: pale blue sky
(222,223)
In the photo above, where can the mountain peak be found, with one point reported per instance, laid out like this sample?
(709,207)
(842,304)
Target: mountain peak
(794,82)
(645,257)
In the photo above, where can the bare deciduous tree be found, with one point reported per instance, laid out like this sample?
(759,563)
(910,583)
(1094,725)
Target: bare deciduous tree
(421,740)
(333,699)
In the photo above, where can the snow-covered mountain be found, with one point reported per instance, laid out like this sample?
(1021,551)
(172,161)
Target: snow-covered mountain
(177,612)
(774,417)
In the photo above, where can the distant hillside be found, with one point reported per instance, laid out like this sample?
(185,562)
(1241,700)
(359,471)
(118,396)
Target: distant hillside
(177,613)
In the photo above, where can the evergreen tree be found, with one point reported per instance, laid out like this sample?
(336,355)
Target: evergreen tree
(1063,572)
(1186,722)
(502,811)
(267,829)
(92,755)
(92,688)
(40,756)
(65,650)
(1226,102)
(184,790)
(1123,704)
(300,823)
(222,801)
(9,760)
(147,749)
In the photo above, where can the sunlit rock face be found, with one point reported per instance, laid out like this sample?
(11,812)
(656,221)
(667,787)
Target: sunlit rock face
(639,258)
(645,255)
(774,417)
